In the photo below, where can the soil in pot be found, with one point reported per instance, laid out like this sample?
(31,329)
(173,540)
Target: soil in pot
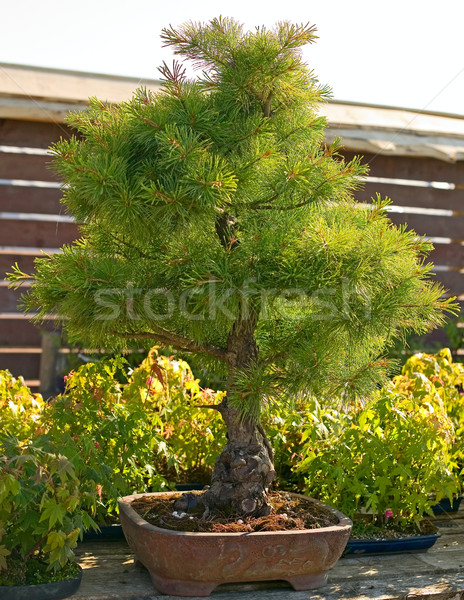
(366,530)
(289,512)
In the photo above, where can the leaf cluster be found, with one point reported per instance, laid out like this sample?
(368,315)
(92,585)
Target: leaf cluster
(439,375)
(19,409)
(392,454)
(45,502)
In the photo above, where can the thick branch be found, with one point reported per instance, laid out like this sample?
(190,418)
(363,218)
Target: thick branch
(267,106)
(178,341)
(217,407)
(225,226)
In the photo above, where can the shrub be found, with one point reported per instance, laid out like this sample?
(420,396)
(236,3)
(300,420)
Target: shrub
(426,373)
(19,409)
(130,432)
(167,387)
(45,502)
(136,435)
(118,440)
(389,455)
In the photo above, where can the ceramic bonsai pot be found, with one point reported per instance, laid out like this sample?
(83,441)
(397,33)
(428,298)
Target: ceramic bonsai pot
(193,564)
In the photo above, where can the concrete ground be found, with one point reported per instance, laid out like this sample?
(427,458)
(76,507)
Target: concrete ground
(438,574)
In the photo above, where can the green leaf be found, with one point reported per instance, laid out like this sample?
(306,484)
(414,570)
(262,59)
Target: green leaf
(4,552)
(56,539)
(52,512)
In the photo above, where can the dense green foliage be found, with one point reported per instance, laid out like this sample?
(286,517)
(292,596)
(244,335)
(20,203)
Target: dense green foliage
(121,442)
(397,452)
(46,500)
(19,408)
(138,434)
(134,430)
(216,202)
(438,375)
(194,435)
(64,464)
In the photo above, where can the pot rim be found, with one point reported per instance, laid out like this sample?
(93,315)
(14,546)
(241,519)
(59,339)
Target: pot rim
(50,585)
(344,524)
(410,538)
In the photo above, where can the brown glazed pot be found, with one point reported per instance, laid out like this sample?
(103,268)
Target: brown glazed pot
(193,564)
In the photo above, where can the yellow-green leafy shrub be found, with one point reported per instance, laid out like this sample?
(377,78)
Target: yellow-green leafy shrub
(439,374)
(390,455)
(20,409)
(46,499)
(139,435)
(167,388)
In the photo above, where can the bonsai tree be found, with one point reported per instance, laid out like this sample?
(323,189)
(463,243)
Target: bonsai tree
(216,220)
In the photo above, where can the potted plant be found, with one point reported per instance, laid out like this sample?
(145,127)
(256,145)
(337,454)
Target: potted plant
(136,431)
(44,506)
(46,500)
(215,220)
(384,464)
(439,375)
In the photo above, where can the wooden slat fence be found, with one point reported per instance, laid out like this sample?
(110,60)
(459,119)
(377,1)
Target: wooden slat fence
(31,220)
(428,194)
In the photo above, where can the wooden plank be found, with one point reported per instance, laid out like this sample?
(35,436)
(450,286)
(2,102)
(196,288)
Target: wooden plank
(448,254)
(403,167)
(9,299)
(26,365)
(31,199)
(34,233)
(26,263)
(22,332)
(432,226)
(402,195)
(26,166)
(31,133)
(432,342)
(453,281)
(67,86)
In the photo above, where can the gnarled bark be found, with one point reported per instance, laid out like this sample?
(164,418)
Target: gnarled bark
(245,468)
(243,471)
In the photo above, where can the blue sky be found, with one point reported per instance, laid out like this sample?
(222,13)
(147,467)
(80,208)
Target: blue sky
(398,53)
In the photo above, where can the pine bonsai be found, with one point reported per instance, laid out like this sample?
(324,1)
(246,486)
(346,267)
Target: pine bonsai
(216,220)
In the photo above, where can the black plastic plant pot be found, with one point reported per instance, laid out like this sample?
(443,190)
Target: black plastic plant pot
(42,591)
(445,505)
(107,533)
(190,487)
(418,543)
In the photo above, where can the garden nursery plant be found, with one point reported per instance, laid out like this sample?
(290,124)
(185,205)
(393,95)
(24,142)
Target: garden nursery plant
(46,500)
(383,463)
(437,375)
(216,220)
(64,463)
(137,431)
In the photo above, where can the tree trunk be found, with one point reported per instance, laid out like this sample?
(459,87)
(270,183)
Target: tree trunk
(245,468)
